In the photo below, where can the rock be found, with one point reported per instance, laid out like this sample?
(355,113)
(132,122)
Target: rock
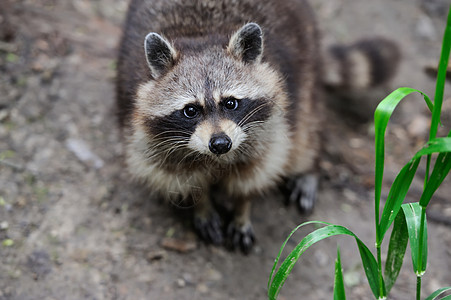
(178,245)
(202,288)
(4,225)
(189,278)
(211,274)
(84,153)
(156,255)
(356,143)
(181,283)
(351,278)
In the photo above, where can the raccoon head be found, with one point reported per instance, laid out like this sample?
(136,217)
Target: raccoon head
(208,98)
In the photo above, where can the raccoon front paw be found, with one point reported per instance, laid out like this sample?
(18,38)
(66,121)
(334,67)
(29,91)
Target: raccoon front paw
(303,191)
(209,228)
(242,237)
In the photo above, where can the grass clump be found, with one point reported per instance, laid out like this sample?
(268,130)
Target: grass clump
(408,220)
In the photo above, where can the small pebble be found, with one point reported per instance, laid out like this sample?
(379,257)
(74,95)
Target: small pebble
(212,275)
(202,288)
(178,245)
(181,283)
(4,225)
(189,279)
(156,255)
(83,152)
(356,143)
(351,278)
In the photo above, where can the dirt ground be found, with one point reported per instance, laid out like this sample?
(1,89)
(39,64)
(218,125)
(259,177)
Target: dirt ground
(72,225)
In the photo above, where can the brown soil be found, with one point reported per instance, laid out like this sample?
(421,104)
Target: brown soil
(72,226)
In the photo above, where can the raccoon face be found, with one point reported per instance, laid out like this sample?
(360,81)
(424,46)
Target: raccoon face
(215,102)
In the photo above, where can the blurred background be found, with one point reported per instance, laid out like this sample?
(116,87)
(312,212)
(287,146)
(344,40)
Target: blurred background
(73,227)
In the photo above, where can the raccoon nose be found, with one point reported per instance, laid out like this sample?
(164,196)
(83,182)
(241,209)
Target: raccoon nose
(220,144)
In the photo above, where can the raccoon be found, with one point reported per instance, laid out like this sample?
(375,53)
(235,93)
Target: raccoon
(223,97)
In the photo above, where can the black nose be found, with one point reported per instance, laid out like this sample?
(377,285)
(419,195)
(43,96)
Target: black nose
(220,144)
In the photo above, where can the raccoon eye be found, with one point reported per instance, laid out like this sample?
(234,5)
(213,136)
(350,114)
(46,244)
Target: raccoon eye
(231,103)
(190,111)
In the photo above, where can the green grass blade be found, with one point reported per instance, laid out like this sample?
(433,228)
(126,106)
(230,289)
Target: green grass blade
(441,76)
(382,115)
(412,212)
(440,86)
(396,250)
(339,287)
(368,260)
(440,171)
(397,195)
(441,168)
(276,261)
(371,270)
(438,292)
(402,182)
(437,145)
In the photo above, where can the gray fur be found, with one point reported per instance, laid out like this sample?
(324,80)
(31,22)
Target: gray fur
(264,54)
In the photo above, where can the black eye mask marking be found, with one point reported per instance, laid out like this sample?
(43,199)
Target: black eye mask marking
(179,124)
(247,110)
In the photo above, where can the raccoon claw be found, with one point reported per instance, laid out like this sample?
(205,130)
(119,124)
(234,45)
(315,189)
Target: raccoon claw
(209,229)
(303,191)
(240,236)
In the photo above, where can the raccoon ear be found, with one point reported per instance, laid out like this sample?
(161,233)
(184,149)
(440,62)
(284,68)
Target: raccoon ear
(247,43)
(160,55)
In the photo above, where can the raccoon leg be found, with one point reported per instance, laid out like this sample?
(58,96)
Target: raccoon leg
(303,191)
(240,233)
(207,222)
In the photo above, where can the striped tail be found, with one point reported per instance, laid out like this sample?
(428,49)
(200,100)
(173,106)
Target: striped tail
(359,73)
(364,64)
